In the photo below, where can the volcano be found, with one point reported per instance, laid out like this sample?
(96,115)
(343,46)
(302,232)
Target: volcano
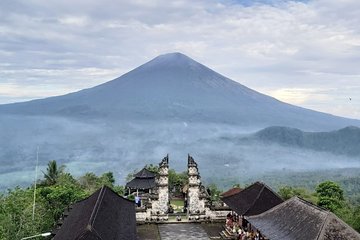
(174,87)
(171,104)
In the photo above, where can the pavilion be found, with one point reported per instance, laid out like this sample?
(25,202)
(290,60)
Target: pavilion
(143,181)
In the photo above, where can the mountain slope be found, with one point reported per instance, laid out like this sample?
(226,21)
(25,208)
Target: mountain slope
(175,87)
(345,141)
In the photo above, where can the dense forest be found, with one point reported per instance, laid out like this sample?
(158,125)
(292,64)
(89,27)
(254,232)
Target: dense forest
(58,189)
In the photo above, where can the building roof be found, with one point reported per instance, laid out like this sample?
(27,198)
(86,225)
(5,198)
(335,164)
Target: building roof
(231,192)
(301,220)
(142,180)
(144,173)
(253,200)
(103,215)
(141,183)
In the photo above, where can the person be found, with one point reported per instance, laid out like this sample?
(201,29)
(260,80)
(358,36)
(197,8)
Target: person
(137,201)
(234,228)
(239,234)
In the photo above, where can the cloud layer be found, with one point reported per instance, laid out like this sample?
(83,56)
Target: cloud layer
(302,52)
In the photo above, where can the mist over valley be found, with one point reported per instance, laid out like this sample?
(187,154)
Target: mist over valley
(173,105)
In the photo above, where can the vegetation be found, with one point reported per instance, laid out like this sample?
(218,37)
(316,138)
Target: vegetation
(288,192)
(55,192)
(177,181)
(328,195)
(58,189)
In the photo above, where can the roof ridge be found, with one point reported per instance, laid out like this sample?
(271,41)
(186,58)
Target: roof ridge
(257,197)
(119,196)
(271,190)
(273,208)
(97,234)
(311,204)
(322,229)
(97,205)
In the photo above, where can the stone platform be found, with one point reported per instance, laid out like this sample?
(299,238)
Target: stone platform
(179,231)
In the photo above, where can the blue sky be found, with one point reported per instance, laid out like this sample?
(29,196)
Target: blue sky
(302,52)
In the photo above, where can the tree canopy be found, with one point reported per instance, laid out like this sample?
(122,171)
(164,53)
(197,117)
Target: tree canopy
(55,192)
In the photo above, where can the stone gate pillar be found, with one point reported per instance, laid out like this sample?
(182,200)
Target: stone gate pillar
(196,203)
(160,207)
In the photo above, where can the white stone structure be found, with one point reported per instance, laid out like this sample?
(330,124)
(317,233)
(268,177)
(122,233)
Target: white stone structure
(197,198)
(161,205)
(198,208)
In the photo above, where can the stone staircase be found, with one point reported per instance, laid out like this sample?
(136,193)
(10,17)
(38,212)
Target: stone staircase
(227,233)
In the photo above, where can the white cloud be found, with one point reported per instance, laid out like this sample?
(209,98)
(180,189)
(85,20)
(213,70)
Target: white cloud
(274,48)
(77,21)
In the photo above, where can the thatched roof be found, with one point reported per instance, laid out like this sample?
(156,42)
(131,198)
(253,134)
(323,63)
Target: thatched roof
(103,215)
(141,183)
(142,180)
(301,220)
(253,200)
(144,173)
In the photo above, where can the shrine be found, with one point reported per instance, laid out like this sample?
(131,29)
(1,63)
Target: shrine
(152,190)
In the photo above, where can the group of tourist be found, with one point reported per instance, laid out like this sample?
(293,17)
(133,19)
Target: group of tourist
(240,228)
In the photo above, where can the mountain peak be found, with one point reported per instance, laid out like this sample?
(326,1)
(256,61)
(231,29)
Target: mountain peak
(171,60)
(174,56)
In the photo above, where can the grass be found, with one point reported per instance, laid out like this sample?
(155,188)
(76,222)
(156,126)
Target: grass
(177,205)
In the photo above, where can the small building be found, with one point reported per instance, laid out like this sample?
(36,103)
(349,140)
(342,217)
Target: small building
(143,181)
(152,193)
(301,220)
(253,200)
(103,215)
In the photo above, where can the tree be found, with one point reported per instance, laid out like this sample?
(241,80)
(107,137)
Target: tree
(107,179)
(355,219)
(119,190)
(59,197)
(214,192)
(152,168)
(52,172)
(89,182)
(177,180)
(59,190)
(330,195)
(288,192)
(16,220)
(330,189)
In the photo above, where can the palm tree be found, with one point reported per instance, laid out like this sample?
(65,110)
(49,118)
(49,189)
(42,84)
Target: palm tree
(52,172)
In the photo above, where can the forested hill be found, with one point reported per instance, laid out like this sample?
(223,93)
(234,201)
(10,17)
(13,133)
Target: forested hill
(345,141)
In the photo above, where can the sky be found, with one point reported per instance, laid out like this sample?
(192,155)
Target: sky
(305,53)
